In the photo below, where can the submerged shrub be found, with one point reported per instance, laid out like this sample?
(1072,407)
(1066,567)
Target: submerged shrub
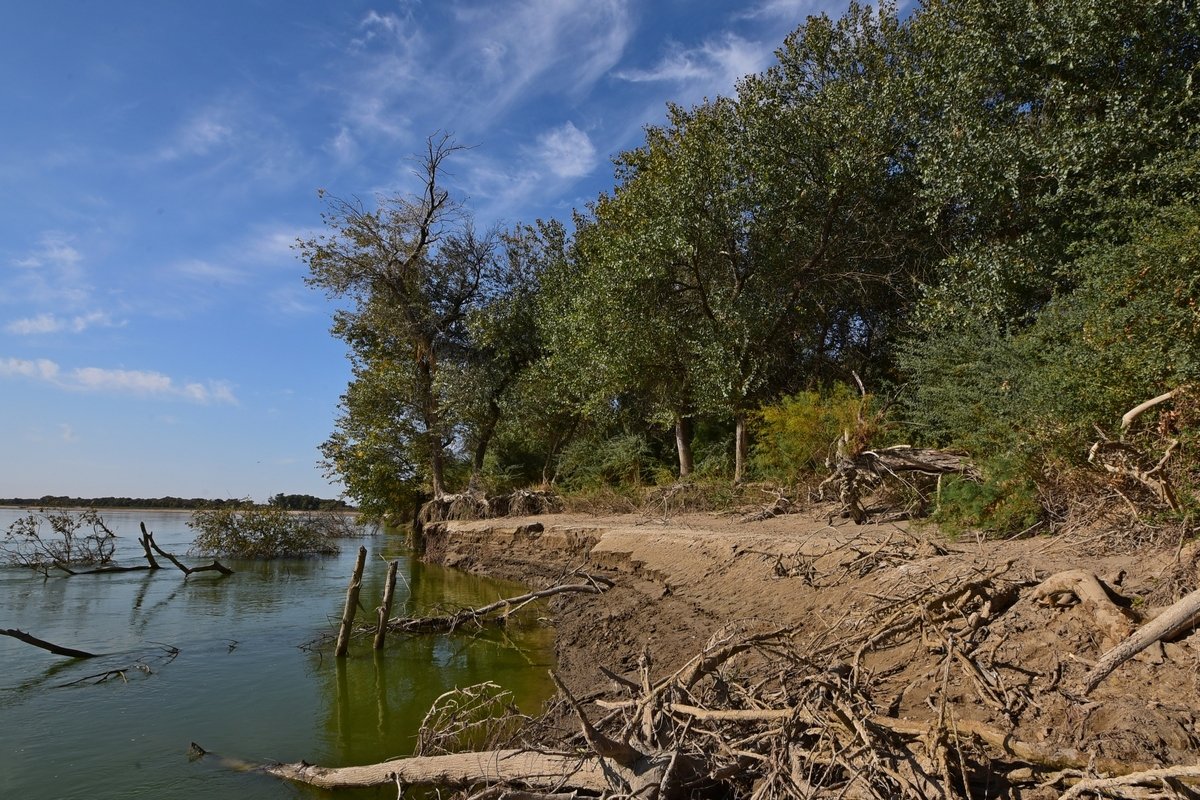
(72,538)
(263,532)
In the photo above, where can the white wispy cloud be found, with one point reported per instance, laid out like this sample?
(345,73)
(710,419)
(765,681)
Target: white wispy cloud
(206,130)
(209,272)
(41,368)
(50,273)
(141,383)
(788,10)
(475,66)
(567,151)
(714,66)
(52,323)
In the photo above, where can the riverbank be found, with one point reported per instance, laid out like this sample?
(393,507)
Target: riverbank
(996,636)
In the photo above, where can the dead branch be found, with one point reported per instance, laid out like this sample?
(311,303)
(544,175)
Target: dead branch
(1121,458)
(58,650)
(621,752)
(215,566)
(1176,618)
(1132,414)
(856,473)
(494,613)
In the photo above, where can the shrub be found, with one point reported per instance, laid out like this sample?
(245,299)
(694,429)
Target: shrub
(1006,500)
(261,532)
(73,538)
(621,460)
(794,437)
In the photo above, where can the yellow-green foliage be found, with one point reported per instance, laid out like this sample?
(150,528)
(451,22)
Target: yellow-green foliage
(794,437)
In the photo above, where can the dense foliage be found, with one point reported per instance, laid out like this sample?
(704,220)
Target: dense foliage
(266,532)
(988,208)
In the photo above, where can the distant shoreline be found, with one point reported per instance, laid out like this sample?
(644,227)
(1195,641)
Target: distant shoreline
(170,503)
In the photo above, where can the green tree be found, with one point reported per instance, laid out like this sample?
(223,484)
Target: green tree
(415,269)
(1033,118)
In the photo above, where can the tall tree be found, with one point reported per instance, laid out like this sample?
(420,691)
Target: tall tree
(415,269)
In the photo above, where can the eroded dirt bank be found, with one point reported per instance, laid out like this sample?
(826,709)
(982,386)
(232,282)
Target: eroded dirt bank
(923,633)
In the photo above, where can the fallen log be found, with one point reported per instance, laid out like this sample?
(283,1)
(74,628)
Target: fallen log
(1173,620)
(522,767)
(1087,589)
(58,650)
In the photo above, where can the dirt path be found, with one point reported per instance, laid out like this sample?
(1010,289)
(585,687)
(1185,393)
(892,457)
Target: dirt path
(1000,658)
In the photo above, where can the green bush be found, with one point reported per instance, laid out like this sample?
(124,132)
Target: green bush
(1006,501)
(794,437)
(264,532)
(626,459)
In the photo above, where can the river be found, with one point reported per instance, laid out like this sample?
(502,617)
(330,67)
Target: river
(243,683)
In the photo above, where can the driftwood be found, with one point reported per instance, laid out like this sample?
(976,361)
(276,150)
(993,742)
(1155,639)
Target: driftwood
(526,767)
(1122,458)
(58,650)
(863,471)
(149,548)
(1175,619)
(1152,778)
(352,591)
(148,541)
(494,613)
(1077,586)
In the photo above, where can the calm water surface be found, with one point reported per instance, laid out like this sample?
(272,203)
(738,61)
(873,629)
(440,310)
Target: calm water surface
(242,684)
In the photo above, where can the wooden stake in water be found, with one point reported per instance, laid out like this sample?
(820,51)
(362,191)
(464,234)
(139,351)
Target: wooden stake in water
(343,640)
(385,610)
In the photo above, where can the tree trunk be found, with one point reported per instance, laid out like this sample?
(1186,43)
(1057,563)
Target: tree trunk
(343,638)
(683,443)
(385,610)
(431,413)
(740,446)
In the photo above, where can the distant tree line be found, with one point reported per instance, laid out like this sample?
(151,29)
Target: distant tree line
(299,502)
(988,209)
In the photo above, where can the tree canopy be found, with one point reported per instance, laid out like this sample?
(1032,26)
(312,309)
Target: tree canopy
(991,205)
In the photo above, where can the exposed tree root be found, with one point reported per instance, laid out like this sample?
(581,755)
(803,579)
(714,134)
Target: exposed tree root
(1077,586)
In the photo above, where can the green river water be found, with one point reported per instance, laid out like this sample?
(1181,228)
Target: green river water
(242,683)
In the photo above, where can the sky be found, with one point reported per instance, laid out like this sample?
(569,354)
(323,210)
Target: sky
(158,160)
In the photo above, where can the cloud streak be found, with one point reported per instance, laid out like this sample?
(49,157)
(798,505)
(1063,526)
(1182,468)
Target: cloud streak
(139,383)
(51,323)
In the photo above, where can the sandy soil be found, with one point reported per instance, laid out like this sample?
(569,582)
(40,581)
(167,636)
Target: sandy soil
(679,582)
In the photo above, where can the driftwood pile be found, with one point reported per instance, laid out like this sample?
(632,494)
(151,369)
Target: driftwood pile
(800,712)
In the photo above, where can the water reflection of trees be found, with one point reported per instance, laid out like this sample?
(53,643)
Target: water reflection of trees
(375,701)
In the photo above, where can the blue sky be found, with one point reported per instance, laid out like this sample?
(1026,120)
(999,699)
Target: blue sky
(158,160)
